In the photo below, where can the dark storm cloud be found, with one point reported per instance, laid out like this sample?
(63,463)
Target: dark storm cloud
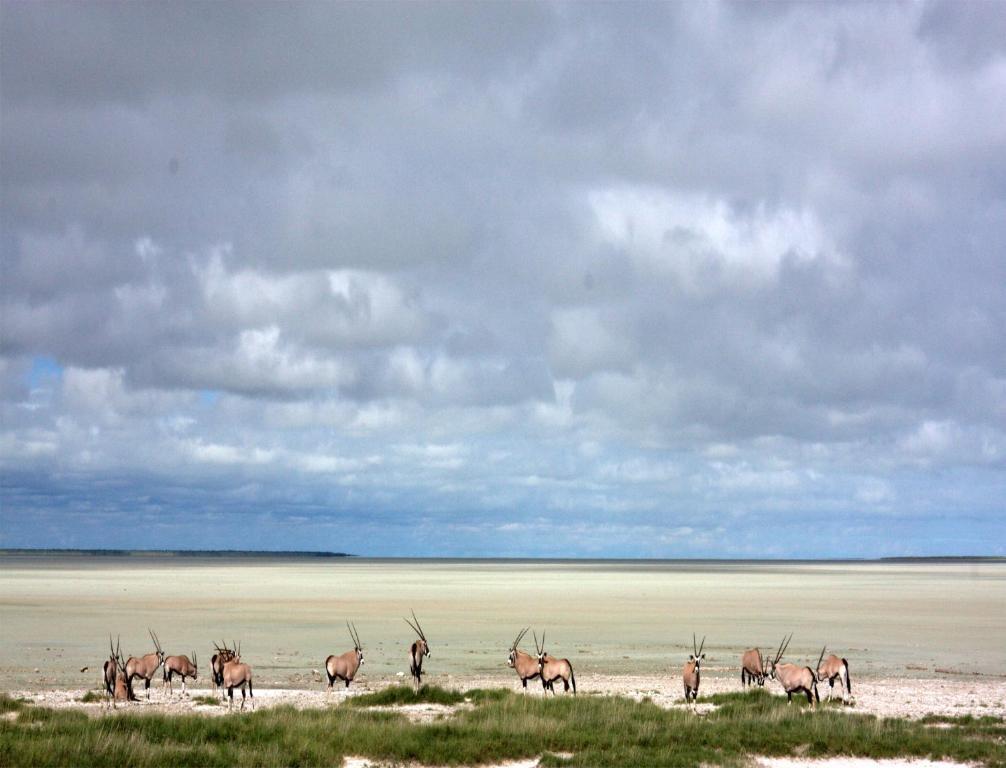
(509,266)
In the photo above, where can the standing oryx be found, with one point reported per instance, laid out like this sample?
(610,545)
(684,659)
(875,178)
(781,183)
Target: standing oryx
(835,668)
(524,664)
(146,665)
(181,666)
(237,675)
(417,651)
(793,678)
(114,670)
(690,673)
(217,661)
(552,669)
(752,667)
(344,667)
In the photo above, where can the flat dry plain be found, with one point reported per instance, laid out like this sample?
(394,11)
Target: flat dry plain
(626,626)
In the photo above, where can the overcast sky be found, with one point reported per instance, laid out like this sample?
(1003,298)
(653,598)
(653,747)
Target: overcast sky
(506,279)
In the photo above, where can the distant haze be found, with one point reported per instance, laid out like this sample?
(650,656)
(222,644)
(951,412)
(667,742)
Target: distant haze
(504,279)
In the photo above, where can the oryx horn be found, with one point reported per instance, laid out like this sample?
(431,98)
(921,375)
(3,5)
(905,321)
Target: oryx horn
(520,636)
(419,626)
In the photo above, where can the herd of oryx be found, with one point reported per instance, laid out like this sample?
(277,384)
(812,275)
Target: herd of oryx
(228,672)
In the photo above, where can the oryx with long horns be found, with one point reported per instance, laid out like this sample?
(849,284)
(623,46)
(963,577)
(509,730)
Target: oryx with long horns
(690,673)
(145,666)
(181,666)
(552,669)
(833,668)
(752,667)
(345,666)
(217,661)
(238,675)
(524,664)
(114,675)
(419,648)
(793,678)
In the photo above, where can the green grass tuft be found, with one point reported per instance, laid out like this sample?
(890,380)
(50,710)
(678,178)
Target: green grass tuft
(209,701)
(397,695)
(91,697)
(10,704)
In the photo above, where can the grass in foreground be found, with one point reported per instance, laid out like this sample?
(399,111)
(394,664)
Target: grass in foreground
(405,694)
(597,731)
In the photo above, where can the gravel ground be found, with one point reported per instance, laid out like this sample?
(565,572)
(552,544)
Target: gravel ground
(886,697)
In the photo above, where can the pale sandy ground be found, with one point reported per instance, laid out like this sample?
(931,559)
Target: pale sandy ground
(885,697)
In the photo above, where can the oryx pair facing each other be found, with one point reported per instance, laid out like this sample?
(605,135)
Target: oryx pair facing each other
(548,668)
(229,672)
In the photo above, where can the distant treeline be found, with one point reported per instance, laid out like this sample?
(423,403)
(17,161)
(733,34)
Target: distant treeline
(173,553)
(946,559)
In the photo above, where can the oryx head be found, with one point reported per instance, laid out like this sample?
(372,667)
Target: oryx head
(115,655)
(422,647)
(817,668)
(357,645)
(540,650)
(157,645)
(697,654)
(512,657)
(770,672)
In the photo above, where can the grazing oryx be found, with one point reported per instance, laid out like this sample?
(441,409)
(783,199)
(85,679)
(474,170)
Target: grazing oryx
(344,667)
(524,664)
(217,661)
(835,668)
(181,666)
(793,678)
(146,665)
(238,675)
(417,651)
(690,672)
(552,669)
(752,667)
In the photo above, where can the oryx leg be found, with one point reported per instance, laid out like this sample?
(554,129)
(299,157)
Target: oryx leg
(251,694)
(242,697)
(230,694)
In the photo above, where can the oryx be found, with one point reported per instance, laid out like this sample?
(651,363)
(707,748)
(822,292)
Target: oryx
(552,669)
(181,666)
(217,661)
(690,672)
(238,675)
(835,668)
(419,648)
(345,667)
(524,664)
(793,678)
(752,667)
(114,674)
(146,665)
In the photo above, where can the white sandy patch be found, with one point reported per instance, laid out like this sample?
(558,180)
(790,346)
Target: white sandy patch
(854,762)
(884,697)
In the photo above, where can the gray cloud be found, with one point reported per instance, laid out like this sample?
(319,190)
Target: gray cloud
(633,269)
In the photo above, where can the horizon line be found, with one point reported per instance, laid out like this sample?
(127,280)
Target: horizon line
(108,552)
